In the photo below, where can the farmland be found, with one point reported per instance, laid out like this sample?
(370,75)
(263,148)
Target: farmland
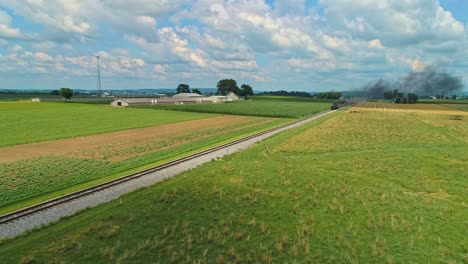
(369,184)
(46,169)
(268,106)
(463,107)
(26,122)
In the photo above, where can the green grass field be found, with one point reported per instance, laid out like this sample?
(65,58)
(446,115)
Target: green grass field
(290,99)
(365,186)
(276,107)
(26,122)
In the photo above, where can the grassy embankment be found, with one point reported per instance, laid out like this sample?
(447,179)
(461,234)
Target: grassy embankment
(359,186)
(268,106)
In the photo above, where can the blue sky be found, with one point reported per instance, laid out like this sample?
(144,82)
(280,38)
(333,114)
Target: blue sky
(292,45)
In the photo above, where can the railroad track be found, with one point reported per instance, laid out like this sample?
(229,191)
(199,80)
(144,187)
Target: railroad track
(24,212)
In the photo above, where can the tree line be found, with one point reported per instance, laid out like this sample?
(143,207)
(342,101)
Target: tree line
(224,87)
(400,98)
(286,93)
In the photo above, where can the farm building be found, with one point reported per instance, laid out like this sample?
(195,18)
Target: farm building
(223,98)
(37,99)
(187,95)
(182,98)
(154,101)
(133,101)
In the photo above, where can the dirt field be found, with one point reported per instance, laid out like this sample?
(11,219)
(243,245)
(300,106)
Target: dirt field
(123,144)
(422,108)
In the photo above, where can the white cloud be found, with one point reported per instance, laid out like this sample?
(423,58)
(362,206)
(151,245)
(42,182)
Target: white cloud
(41,56)
(256,41)
(416,65)
(375,44)
(6,31)
(393,21)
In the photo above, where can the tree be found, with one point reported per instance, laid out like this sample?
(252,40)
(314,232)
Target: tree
(454,97)
(227,85)
(246,90)
(66,93)
(412,98)
(183,88)
(395,93)
(197,91)
(399,98)
(55,92)
(388,95)
(404,101)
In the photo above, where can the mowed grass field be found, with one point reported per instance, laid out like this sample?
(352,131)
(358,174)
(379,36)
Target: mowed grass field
(25,122)
(267,106)
(363,185)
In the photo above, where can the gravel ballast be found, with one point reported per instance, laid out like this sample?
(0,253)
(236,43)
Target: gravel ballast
(29,222)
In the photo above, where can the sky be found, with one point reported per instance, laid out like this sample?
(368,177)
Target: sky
(316,45)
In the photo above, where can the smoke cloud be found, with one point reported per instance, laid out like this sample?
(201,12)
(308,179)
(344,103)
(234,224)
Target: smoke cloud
(431,81)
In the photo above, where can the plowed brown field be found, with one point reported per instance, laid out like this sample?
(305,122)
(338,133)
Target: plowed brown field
(123,144)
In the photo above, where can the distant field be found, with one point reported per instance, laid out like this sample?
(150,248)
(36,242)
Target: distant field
(443,101)
(463,107)
(408,107)
(364,185)
(290,99)
(77,98)
(25,122)
(284,107)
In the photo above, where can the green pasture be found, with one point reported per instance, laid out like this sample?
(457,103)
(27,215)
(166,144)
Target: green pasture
(290,99)
(353,187)
(26,122)
(283,107)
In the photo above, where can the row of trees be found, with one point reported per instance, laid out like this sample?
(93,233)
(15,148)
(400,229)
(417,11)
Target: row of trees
(329,95)
(286,93)
(224,87)
(185,88)
(400,98)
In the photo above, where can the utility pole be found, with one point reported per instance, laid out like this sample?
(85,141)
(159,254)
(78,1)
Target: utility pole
(98,77)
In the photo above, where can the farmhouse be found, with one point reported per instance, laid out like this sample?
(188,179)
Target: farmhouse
(37,99)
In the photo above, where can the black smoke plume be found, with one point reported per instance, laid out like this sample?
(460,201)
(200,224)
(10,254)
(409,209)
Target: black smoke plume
(432,81)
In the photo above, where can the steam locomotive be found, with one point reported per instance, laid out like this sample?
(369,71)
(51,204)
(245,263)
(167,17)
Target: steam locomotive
(338,104)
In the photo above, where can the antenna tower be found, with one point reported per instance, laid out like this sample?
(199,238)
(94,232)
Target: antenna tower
(98,77)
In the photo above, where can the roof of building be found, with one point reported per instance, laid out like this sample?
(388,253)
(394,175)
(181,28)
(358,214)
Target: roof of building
(187,95)
(137,100)
(142,100)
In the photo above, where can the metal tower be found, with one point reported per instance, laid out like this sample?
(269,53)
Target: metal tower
(98,77)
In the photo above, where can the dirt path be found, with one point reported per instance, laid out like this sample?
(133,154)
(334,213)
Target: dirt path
(86,144)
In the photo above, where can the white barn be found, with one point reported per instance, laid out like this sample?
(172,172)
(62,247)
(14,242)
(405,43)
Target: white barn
(187,95)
